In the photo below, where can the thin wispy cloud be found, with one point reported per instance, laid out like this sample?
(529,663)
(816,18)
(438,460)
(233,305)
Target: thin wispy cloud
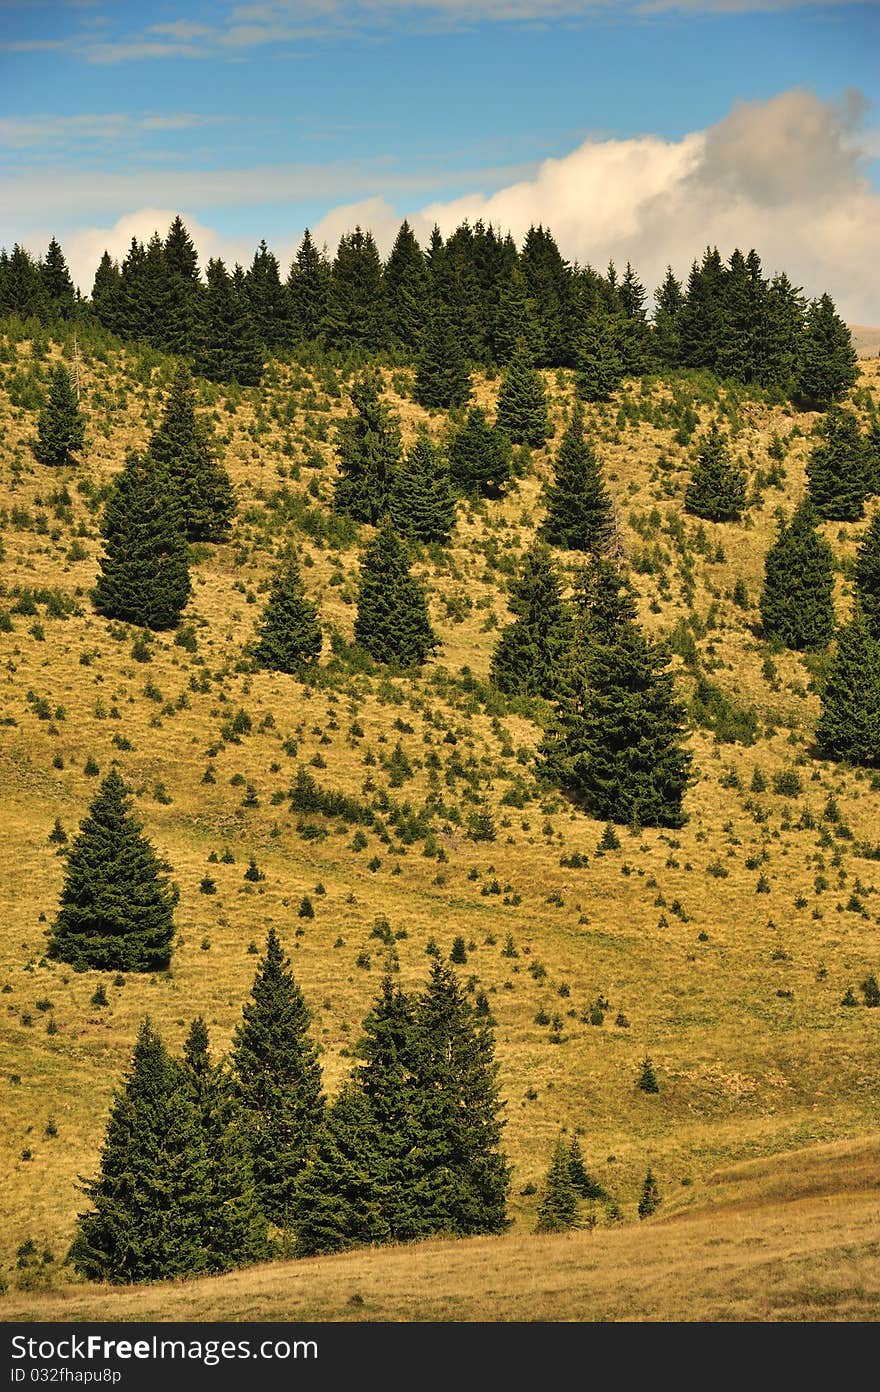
(25,132)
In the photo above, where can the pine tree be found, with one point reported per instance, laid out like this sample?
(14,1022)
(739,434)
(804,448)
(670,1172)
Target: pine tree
(227,348)
(557,1211)
(233,1228)
(337,1199)
(267,298)
(356,313)
(617,742)
(422,503)
(479,456)
(717,487)
(584,1185)
(849,724)
(442,377)
(185,289)
(392,621)
(868,576)
(369,454)
(60,428)
(277,1082)
(701,320)
(796,602)
(837,468)
(549,290)
(289,632)
(647,1079)
(668,300)
(522,402)
(599,365)
(150,1200)
(57,284)
(117,907)
(532,651)
(107,292)
(463,1177)
(408,287)
(183,445)
(515,321)
(144,575)
(307,290)
(579,512)
(828,364)
(650,1198)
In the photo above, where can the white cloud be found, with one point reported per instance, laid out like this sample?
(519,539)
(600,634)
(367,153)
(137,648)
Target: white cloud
(785,176)
(21,132)
(85,247)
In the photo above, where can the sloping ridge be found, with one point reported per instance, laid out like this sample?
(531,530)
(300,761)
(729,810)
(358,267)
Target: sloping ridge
(791,1237)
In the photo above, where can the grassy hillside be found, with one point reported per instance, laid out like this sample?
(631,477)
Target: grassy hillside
(723,950)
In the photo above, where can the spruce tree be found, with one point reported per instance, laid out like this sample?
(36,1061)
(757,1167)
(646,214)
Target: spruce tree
(522,401)
(515,321)
(267,299)
(849,724)
(144,575)
(837,468)
(356,314)
(617,743)
(289,633)
(337,1200)
(828,364)
(117,906)
(184,446)
(307,290)
(868,576)
(442,378)
(408,287)
(462,1176)
(422,504)
(277,1082)
(392,622)
(584,1185)
(60,427)
(479,456)
(185,289)
(599,366)
(57,284)
(796,601)
(228,347)
(557,1211)
(531,653)
(650,1197)
(233,1228)
(717,486)
(107,292)
(369,454)
(668,300)
(579,512)
(153,1194)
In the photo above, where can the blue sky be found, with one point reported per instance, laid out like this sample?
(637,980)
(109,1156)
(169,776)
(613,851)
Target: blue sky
(255,119)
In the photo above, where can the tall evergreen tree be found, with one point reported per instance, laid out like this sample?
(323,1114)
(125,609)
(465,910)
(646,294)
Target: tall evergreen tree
(837,468)
(549,290)
(117,906)
(369,454)
(185,289)
(531,653)
(144,572)
(442,377)
(422,503)
(516,320)
(184,446)
(23,286)
(599,360)
(618,739)
(784,326)
(464,1176)
(60,427)
(717,486)
(868,576)
(479,455)
(277,1082)
(701,320)
(828,361)
(579,512)
(668,300)
(233,1229)
(557,1211)
(149,1202)
(267,299)
(849,724)
(392,621)
(228,348)
(522,402)
(307,290)
(106,292)
(796,602)
(338,1197)
(408,287)
(57,284)
(289,632)
(356,315)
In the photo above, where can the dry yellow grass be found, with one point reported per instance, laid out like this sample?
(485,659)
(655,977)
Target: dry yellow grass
(735,995)
(796,1239)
